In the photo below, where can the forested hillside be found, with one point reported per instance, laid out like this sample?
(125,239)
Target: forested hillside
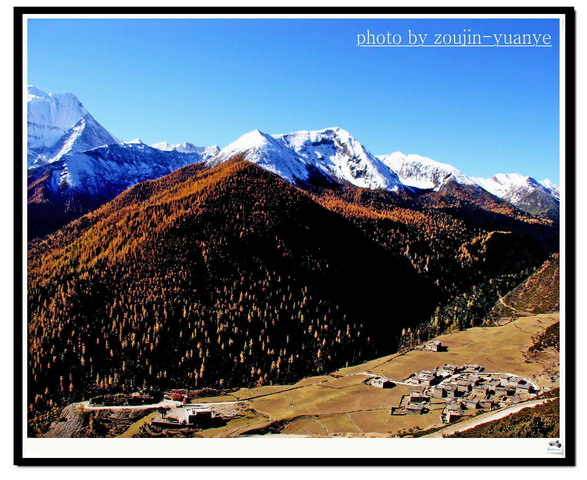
(218,277)
(229,276)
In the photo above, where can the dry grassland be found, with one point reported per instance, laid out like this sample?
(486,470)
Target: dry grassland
(342,404)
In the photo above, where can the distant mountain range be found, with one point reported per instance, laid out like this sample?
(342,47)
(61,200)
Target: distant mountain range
(76,165)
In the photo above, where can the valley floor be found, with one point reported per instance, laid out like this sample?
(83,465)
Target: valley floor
(342,404)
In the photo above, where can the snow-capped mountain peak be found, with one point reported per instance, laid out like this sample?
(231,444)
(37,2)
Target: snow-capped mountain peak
(253,139)
(135,141)
(336,153)
(522,191)
(333,152)
(58,124)
(50,116)
(507,184)
(264,150)
(422,172)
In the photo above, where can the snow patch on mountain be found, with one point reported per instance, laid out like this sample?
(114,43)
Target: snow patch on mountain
(110,169)
(553,187)
(186,147)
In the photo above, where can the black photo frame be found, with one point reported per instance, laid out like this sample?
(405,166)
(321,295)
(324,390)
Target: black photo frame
(568,139)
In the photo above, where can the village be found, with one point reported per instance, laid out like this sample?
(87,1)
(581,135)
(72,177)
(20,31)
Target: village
(466,390)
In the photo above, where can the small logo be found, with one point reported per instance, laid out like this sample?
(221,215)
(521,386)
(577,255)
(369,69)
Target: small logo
(554,446)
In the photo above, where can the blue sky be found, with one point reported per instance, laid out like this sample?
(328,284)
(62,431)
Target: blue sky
(483,110)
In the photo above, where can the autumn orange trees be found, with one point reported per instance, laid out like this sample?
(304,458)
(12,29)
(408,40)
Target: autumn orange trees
(223,277)
(229,276)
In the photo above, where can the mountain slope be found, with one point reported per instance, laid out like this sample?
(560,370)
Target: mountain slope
(552,187)
(539,293)
(86,134)
(219,277)
(80,182)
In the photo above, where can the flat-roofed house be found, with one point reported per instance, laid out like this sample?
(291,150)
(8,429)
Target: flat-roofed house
(481,390)
(463,386)
(502,391)
(494,383)
(196,415)
(471,404)
(447,370)
(435,346)
(512,382)
(380,382)
(416,409)
(444,391)
(524,389)
(418,397)
(472,368)
(451,413)
(427,379)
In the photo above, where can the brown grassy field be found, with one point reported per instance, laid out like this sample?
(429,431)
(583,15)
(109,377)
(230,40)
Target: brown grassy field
(341,404)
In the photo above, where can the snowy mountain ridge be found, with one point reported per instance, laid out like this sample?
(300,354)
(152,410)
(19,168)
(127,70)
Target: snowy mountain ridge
(71,154)
(422,172)
(186,147)
(524,192)
(76,165)
(58,124)
(295,157)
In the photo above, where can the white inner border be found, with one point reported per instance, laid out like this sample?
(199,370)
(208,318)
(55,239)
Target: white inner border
(275,446)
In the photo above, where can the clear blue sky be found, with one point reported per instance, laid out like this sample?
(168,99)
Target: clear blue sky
(483,110)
